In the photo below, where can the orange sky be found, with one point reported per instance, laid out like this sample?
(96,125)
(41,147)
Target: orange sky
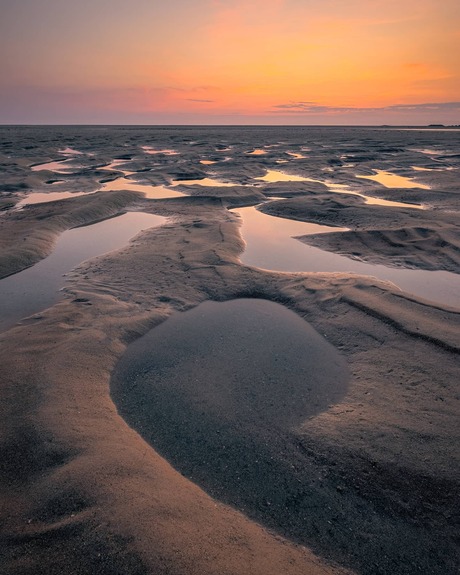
(230,61)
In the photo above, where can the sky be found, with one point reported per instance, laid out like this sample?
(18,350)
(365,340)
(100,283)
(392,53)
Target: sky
(298,62)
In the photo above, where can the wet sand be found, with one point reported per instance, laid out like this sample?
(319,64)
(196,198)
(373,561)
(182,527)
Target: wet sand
(365,483)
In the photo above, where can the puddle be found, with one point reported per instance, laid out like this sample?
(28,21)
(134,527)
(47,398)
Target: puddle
(166,152)
(428,151)
(115,165)
(270,245)
(296,155)
(440,168)
(37,288)
(273,176)
(43,197)
(390,180)
(70,152)
(369,200)
(150,192)
(202,182)
(58,166)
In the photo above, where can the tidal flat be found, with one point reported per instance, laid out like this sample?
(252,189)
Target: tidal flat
(256,370)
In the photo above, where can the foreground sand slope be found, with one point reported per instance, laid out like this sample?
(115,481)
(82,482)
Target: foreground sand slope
(82,492)
(370,483)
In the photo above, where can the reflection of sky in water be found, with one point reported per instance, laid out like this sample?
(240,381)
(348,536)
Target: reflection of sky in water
(440,168)
(296,155)
(202,182)
(116,166)
(36,288)
(270,245)
(43,197)
(69,152)
(207,162)
(390,180)
(152,151)
(60,167)
(256,152)
(276,176)
(343,189)
(151,192)
(429,151)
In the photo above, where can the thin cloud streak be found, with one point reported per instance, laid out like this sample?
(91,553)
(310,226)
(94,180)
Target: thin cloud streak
(314,108)
(200,100)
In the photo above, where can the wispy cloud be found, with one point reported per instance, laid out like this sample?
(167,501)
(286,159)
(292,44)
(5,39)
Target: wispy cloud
(313,108)
(201,100)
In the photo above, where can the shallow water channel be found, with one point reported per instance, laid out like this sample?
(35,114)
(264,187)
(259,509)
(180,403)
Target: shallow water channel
(271,244)
(37,287)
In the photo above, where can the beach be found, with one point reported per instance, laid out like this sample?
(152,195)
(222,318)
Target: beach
(175,409)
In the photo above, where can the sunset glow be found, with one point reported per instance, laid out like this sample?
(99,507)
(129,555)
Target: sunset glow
(216,61)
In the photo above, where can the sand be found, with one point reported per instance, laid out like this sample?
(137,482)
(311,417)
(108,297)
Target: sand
(370,480)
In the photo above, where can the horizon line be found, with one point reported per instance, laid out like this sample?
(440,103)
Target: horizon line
(44,125)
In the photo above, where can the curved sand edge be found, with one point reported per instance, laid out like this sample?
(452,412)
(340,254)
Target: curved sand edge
(28,236)
(82,491)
